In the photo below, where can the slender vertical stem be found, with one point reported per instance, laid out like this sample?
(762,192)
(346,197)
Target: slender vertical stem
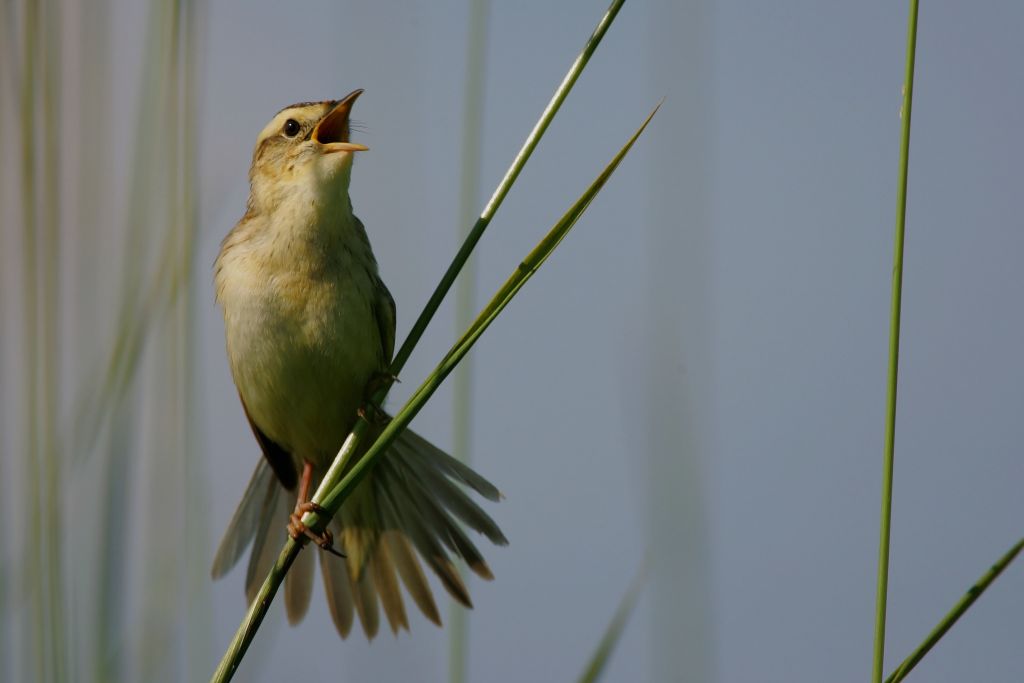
(163,471)
(9,78)
(197,611)
(894,349)
(33,570)
(49,335)
(472,123)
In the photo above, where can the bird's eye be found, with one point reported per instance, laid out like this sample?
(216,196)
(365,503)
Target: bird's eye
(291,128)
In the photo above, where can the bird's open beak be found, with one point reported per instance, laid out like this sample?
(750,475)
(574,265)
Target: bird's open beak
(333,129)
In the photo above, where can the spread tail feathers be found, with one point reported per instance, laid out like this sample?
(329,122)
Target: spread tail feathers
(412,506)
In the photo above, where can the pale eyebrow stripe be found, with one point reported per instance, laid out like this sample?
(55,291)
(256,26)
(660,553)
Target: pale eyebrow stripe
(300,105)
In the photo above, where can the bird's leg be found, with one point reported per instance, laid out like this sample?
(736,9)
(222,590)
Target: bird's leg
(296,528)
(377,380)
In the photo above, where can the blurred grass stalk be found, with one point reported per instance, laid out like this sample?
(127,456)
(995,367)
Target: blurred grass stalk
(197,615)
(71,629)
(52,493)
(462,383)
(613,633)
(168,472)
(42,566)
(7,63)
(894,349)
(674,388)
(32,559)
(94,178)
(162,470)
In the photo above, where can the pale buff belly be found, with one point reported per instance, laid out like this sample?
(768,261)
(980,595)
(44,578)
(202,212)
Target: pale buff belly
(302,362)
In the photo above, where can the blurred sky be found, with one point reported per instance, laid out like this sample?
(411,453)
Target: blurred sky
(700,369)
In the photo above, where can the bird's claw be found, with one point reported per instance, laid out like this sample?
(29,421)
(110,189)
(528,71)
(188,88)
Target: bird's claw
(298,530)
(375,417)
(378,380)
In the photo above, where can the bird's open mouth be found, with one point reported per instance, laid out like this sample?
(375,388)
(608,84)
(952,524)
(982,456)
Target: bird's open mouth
(333,130)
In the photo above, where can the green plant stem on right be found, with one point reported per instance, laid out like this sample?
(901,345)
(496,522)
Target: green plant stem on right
(894,350)
(972,594)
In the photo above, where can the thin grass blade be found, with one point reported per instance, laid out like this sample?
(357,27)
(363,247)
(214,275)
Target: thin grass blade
(603,652)
(894,351)
(962,605)
(504,186)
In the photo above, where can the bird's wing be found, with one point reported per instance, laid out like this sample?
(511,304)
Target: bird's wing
(259,519)
(385,313)
(383,303)
(246,520)
(279,459)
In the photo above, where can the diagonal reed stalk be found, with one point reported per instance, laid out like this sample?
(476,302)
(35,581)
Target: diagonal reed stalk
(894,350)
(331,499)
(503,187)
(968,599)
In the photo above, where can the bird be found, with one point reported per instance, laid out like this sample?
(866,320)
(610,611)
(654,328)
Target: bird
(309,326)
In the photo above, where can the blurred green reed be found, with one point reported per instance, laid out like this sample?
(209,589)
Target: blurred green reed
(77,455)
(613,632)
(462,382)
(33,573)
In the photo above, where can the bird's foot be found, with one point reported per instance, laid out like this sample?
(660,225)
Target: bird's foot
(375,416)
(300,532)
(379,379)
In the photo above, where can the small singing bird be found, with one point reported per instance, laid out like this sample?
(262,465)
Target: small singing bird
(309,325)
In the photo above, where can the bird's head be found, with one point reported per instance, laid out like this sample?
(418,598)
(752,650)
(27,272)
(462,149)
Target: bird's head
(304,150)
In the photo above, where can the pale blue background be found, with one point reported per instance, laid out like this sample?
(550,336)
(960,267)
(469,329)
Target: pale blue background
(700,369)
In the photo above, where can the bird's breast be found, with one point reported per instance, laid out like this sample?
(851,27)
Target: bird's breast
(302,344)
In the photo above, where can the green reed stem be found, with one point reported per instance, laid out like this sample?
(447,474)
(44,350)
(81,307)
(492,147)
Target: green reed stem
(33,570)
(505,185)
(894,350)
(972,594)
(49,332)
